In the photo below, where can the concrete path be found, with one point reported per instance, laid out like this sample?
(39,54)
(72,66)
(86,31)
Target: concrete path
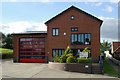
(38,70)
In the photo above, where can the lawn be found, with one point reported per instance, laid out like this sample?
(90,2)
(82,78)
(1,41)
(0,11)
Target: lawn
(6,53)
(108,69)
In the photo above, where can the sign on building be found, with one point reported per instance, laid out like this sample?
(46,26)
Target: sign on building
(83,54)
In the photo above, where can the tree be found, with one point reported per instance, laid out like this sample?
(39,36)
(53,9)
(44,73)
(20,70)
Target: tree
(2,37)
(105,46)
(8,42)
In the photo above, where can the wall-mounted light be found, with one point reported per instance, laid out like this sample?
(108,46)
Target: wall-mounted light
(72,17)
(48,52)
(64,34)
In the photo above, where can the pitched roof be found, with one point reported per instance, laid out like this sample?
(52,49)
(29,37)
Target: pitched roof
(76,9)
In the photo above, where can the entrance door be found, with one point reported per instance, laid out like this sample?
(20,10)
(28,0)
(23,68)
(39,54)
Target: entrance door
(32,50)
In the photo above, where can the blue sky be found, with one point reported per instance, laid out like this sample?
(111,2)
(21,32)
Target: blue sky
(38,11)
(27,16)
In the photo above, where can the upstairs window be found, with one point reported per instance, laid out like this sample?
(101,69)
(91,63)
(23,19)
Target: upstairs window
(55,31)
(74,29)
(81,39)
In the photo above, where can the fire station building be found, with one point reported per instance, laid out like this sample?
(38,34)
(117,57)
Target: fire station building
(72,27)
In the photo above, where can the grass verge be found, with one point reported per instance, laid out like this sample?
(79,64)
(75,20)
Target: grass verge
(108,69)
(6,53)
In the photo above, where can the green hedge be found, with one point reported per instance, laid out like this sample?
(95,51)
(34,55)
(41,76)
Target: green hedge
(84,60)
(71,59)
(55,59)
(63,59)
(4,56)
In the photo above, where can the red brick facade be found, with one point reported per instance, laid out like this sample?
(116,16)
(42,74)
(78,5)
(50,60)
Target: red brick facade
(16,42)
(85,24)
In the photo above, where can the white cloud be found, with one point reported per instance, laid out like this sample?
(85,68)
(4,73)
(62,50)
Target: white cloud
(108,9)
(22,26)
(109,29)
(106,18)
(114,1)
(98,4)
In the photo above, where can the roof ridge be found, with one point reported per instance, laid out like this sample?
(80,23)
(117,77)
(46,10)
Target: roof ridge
(75,8)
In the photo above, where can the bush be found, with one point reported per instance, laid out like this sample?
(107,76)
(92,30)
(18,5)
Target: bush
(67,51)
(87,50)
(56,59)
(102,55)
(84,60)
(69,55)
(63,59)
(71,59)
(6,56)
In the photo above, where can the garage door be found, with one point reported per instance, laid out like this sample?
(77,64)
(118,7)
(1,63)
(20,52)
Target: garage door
(32,50)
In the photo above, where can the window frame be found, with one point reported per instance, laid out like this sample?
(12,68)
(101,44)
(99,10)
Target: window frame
(82,38)
(73,29)
(59,54)
(56,31)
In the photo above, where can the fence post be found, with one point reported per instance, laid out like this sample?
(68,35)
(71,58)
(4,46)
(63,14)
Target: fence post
(101,64)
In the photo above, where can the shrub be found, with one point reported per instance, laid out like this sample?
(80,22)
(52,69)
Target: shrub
(102,55)
(87,50)
(67,51)
(71,59)
(84,60)
(56,59)
(69,55)
(63,59)
(6,56)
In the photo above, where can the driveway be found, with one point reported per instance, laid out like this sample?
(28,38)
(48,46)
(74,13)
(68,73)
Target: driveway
(39,70)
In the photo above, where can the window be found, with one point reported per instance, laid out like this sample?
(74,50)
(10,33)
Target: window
(75,29)
(81,39)
(57,52)
(55,31)
(22,39)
